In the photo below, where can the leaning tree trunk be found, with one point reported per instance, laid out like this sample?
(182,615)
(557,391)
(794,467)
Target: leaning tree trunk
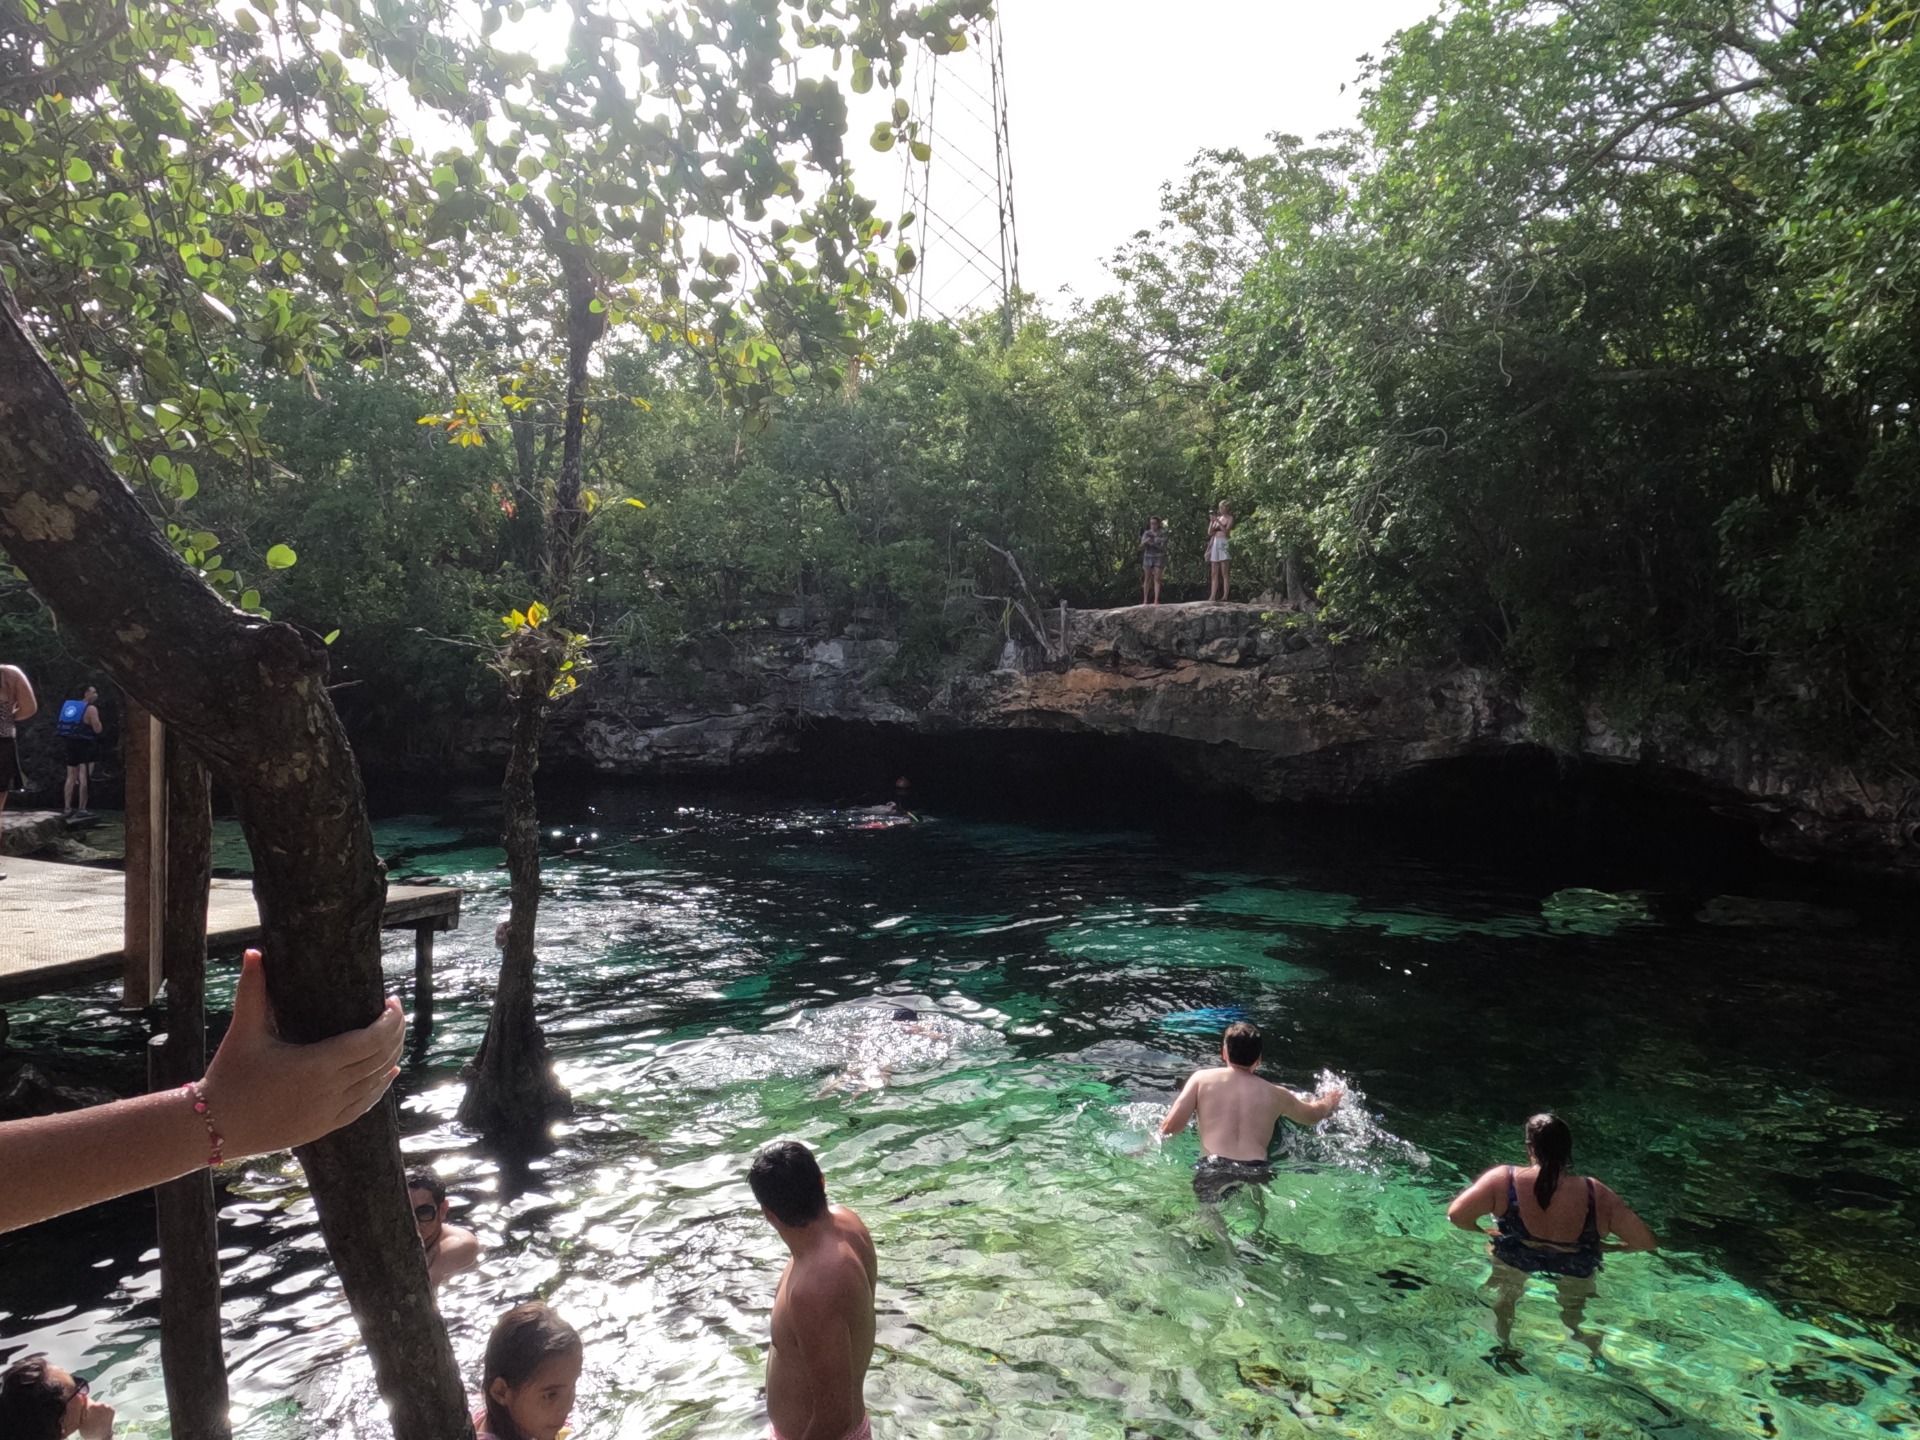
(251,699)
(513,1096)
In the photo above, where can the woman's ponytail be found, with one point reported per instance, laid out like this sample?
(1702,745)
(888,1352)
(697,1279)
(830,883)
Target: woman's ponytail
(1550,1143)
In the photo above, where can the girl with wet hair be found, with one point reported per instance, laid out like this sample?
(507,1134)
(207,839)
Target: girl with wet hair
(1547,1221)
(527,1383)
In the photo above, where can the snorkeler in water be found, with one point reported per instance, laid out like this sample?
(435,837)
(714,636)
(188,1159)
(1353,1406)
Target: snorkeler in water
(880,1049)
(896,810)
(1547,1222)
(1238,1114)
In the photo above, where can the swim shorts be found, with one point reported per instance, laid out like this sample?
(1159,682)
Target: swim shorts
(81,752)
(1216,1177)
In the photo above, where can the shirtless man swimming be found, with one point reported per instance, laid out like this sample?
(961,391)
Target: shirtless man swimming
(449,1249)
(823,1310)
(1238,1114)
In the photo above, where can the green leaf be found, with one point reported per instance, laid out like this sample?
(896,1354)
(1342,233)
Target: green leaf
(281,557)
(250,600)
(398,325)
(79,171)
(330,637)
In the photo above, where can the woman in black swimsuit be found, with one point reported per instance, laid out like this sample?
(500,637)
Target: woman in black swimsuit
(1547,1222)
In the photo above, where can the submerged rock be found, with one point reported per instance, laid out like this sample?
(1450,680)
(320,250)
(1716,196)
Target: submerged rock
(1593,912)
(28,1089)
(1745,910)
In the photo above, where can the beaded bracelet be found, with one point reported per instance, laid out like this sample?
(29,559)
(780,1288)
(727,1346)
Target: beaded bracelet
(215,1142)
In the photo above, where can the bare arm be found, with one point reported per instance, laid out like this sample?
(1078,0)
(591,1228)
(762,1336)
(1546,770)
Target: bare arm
(1475,1203)
(1303,1111)
(94,722)
(25,706)
(263,1094)
(825,1354)
(1633,1231)
(1181,1115)
(458,1250)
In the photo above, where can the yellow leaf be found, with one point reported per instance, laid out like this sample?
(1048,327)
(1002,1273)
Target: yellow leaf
(637,504)
(536,613)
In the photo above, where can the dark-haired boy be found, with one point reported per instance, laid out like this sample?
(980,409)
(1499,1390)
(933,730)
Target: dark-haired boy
(449,1249)
(823,1308)
(1238,1113)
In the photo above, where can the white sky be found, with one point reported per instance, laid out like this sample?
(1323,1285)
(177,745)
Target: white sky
(1108,99)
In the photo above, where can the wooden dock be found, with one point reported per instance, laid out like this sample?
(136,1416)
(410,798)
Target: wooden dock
(63,926)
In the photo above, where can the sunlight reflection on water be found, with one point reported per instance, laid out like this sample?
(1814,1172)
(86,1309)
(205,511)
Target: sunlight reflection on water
(728,978)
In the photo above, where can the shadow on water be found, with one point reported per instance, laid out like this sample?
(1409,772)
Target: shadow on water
(721,968)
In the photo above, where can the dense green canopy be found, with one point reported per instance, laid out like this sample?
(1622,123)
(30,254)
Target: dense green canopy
(1591,352)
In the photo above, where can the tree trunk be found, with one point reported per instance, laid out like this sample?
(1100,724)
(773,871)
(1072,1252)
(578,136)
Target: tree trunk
(513,1096)
(191,1360)
(1297,595)
(251,699)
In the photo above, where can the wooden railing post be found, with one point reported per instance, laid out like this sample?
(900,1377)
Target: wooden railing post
(146,875)
(191,1357)
(422,979)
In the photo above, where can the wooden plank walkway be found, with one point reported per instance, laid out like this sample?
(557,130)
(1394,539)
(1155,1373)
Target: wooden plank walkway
(63,925)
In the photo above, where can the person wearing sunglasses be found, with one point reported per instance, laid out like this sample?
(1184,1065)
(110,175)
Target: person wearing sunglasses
(40,1401)
(449,1248)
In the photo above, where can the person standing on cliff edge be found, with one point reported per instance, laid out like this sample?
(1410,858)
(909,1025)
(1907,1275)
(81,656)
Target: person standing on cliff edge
(16,704)
(1219,527)
(1153,560)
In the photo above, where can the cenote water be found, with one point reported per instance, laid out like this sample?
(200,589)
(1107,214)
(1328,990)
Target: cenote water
(714,972)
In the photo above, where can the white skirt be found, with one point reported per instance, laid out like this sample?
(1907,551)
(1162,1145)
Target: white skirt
(1217,549)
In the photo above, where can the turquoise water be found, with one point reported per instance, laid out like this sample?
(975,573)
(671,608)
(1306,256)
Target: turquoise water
(712,974)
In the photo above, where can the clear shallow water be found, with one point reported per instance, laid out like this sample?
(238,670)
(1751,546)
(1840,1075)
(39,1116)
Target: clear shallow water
(710,976)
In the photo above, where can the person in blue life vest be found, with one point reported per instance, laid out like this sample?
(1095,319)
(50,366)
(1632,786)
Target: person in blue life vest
(16,704)
(79,728)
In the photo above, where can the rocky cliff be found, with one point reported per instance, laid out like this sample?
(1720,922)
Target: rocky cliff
(1235,697)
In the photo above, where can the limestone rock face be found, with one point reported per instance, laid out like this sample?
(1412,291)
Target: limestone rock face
(719,712)
(28,832)
(1253,706)
(1239,698)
